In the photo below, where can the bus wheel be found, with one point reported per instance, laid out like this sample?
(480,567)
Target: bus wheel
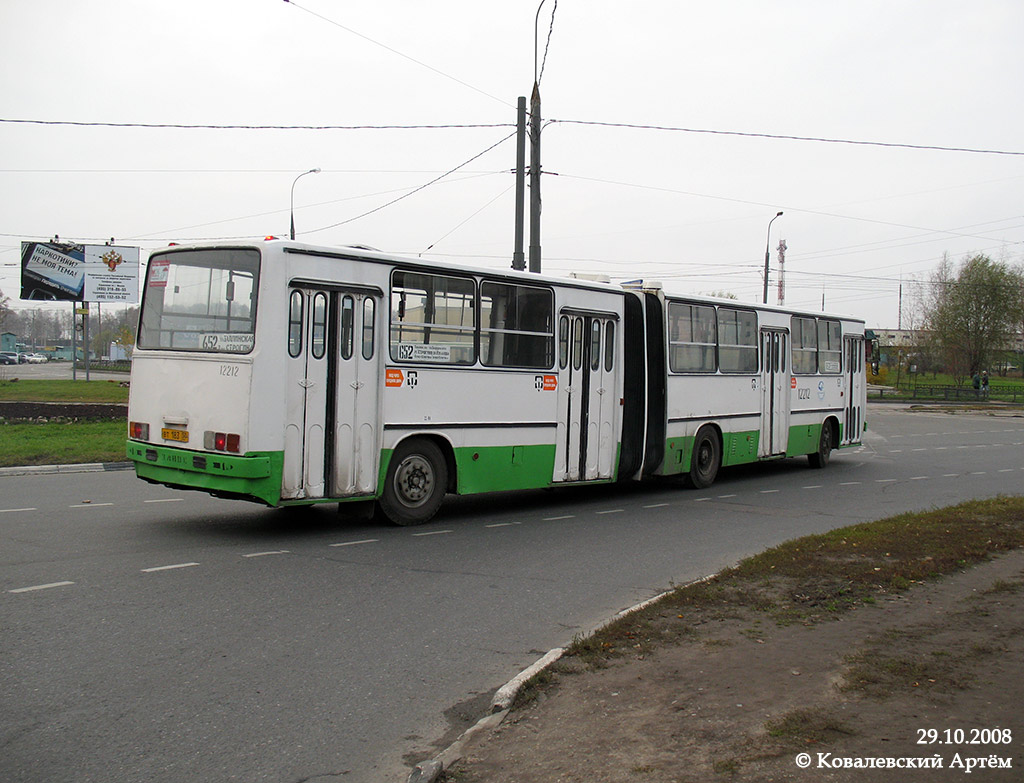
(706,459)
(819,459)
(416,483)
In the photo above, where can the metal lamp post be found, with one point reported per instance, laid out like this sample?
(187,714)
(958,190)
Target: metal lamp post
(291,209)
(767,255)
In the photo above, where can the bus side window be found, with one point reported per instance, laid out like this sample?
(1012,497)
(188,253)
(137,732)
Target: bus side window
(347,315)
(295,324)
(595,345)
(609,346)
(577,343)
(563,342)
(319,337)
(368,311)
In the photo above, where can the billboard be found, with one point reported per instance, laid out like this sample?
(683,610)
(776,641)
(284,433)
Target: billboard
(111,274)
(70,272)
(52,271)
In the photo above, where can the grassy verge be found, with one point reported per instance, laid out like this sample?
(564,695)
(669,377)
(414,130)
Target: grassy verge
(39,390)
(812,579)
(59,443)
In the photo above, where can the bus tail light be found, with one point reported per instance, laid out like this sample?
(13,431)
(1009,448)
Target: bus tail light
(138,430)
(222,441)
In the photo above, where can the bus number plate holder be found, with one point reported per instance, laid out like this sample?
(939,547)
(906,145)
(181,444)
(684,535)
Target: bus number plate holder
(180,436)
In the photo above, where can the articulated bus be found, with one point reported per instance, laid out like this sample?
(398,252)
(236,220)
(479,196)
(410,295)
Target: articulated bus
(288,374)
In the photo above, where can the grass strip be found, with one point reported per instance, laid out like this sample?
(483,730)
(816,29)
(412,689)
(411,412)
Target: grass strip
(816,578)
(60,443)
(41,390)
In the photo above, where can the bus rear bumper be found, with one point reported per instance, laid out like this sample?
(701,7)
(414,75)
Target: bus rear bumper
(255,476)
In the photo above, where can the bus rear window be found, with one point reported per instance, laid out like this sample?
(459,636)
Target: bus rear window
(201,300)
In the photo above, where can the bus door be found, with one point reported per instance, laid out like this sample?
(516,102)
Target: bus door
(308,396)
(586,444)
(775,392)
(854,383)
(356,448)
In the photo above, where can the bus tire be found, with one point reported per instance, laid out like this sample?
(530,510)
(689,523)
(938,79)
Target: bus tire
(706,459)
(819,458)
(416,482)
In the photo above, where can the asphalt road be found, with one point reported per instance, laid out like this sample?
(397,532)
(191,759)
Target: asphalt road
(152,635)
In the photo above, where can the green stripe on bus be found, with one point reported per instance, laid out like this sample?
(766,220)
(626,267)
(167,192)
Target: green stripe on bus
(496,468)
(803,439)
(257,474)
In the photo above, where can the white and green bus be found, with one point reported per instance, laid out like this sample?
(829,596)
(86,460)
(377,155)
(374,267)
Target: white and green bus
(289,374)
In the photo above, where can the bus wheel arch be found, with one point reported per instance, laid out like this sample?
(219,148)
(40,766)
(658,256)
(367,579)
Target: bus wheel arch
(416,481)
(827,440)
(706,459)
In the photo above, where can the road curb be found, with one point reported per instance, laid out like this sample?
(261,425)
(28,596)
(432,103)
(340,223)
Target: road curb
(429,771)
(82,467)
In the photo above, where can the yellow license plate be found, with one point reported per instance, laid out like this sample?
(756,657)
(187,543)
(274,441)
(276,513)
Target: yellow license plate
(181,436)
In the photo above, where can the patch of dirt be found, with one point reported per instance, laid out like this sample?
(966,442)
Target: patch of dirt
(738,696)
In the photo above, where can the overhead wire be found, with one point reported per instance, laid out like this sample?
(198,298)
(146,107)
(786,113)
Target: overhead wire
(414,190)
(395,51)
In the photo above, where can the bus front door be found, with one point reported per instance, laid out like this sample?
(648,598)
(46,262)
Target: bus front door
(854,418)
(775,393)
(585,447)
(356,451)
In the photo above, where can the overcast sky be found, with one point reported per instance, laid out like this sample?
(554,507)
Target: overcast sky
(690,209)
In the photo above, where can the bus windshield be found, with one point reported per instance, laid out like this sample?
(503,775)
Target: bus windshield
(201,300)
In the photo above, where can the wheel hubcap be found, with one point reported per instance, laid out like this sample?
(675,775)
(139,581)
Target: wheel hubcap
(414,480)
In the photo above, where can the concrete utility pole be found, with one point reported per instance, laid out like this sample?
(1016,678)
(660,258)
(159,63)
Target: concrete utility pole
(518,260)
(535,157)
(535,179)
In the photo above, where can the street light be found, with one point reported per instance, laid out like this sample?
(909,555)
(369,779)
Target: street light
(292,207)
(767,254)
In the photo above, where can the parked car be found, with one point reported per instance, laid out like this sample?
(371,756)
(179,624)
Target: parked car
(8,357)
(36,358)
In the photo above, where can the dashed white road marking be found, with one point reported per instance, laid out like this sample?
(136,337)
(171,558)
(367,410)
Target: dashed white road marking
(90,505)
(356,543)
(167,567)
(433,533)
(15,510)
(555,519)
(611,511)
(33,588)
(502,524)
(919,478)
(657,505)
(769,491)
(164,500)
(267,554)
(813,486)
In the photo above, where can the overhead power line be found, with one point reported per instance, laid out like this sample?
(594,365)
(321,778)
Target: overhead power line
(824,140)
(201,126)
(472,126)
(400,54)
